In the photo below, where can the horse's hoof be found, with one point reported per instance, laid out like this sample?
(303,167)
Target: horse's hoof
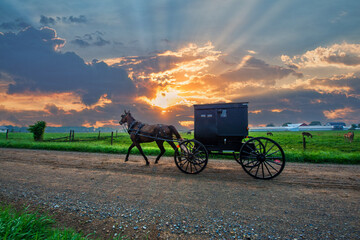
(126,160)
(156,162)
(147,164)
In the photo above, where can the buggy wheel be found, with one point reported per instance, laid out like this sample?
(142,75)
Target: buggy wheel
(262,158)
(191,156)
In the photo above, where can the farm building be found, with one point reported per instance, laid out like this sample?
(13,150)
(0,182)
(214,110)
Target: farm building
(336,125)
(295,125)
(296,128)
(3,129)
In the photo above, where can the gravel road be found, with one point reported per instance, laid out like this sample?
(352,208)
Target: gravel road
(99,192)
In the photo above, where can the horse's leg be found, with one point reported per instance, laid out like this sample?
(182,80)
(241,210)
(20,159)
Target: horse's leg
(127,155)
(162,150)
(142,153)
(172,145)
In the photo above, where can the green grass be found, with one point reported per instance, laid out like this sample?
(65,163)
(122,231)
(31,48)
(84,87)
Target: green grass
(26,225)
(324,147)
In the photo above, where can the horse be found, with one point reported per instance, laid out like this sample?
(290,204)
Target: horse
(306,134)
(349,136)
(145,133)
(269,134)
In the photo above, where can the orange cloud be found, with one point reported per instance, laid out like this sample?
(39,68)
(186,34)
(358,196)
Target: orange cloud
(341,113)
(338,55)
(188,124)
(109,123)
(35,101)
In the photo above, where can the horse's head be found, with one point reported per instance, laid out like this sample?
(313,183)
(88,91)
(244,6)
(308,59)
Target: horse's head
(125,117)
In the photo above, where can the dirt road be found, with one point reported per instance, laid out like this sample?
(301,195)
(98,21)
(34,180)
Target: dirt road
(99,192)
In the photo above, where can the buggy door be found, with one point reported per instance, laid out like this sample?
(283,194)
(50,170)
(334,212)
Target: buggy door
(206,126)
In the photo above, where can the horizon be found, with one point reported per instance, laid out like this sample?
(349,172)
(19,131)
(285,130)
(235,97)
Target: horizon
(84,63)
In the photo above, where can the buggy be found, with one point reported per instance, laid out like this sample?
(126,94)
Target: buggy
(223,129)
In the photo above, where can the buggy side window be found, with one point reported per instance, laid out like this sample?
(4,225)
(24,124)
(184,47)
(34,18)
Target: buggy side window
(223,113)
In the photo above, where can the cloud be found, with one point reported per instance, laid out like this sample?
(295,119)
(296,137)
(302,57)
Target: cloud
(17,24)
(80,42)
(258,71)
(80,19)
(32,58)
(337,55)
(90,39)
(47,20)
(54,20)
(348,84)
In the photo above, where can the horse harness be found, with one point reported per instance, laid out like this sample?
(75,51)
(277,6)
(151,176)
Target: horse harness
(137,132)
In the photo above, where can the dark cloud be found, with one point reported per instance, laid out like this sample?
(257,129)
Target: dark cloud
(167,41)
(31,59)
(47,20)
(347,60)
(80,19)
(345,84)
(14,25)
(91,39)
(298,105)
(80,43)
(101,42)
(54,20)
(259,71)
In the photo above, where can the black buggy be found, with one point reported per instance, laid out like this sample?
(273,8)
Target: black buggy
(223,129)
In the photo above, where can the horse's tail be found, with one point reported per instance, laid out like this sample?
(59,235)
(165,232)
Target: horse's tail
(175,132)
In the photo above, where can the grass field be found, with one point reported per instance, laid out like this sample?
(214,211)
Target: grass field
(324,147)
(25,224)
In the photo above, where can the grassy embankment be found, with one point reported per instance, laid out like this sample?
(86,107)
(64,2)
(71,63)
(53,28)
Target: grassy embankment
(324,147)
(25,224)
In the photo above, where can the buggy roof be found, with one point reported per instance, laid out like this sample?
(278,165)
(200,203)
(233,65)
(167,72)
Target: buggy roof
(220,105)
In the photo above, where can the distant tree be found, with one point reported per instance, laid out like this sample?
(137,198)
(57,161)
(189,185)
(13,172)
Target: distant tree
(38,130)
(270,125)
(353,126)
(315,123)
(285,124)
(359,125)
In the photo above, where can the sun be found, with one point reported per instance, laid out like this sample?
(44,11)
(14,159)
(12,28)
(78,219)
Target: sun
(165,99)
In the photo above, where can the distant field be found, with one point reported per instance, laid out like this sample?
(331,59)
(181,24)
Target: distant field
(324,147)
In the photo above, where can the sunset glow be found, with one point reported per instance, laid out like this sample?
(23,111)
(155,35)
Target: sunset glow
(158,60)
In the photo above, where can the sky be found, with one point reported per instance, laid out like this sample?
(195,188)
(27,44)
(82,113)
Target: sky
(82,63)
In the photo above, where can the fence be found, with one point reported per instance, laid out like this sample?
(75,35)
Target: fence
(71,137)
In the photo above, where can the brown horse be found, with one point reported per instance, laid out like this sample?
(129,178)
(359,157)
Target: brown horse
(144,133)
(349,136)
(269,134)
(307,134)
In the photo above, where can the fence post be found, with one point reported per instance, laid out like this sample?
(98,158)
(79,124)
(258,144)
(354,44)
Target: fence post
(73,135)
(7,134)
(304,143)
(112,136)
(99,135)
(70,136)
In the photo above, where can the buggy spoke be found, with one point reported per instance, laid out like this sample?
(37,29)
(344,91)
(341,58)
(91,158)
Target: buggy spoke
(267,169)
(266,162)
(272,153)
(193,156)
(269,149)
(257,170)
(275,162)
(250,153)
(261,151)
